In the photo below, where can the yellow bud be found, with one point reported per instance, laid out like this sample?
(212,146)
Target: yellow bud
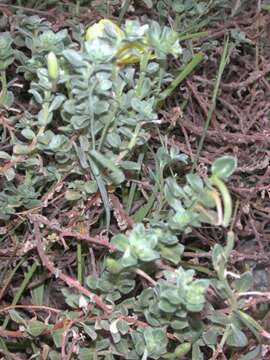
(53,68)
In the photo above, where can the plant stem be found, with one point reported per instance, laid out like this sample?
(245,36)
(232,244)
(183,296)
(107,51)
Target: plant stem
(79,262)
(193,36)
(124,9)
(143,65)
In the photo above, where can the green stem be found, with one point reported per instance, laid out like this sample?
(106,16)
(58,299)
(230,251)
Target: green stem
(221,272)
(103,191)
(252,324)
(133,188)
(226,198)
(194,35)
(141,214)
(79,262)
(143,65)
(123,11)
(77,8)
(225,336)
(133,140)
(104,133)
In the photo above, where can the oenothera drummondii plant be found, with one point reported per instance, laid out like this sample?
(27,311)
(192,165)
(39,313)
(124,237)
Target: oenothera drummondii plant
(100,104)
(93,106)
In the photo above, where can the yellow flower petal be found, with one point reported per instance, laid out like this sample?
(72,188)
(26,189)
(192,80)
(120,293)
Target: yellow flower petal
(97,30)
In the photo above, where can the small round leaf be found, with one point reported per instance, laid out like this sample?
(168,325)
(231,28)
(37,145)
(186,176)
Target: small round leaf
(224,167)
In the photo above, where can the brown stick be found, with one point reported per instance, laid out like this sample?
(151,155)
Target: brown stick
(66,279)
(10,333)
(70,233)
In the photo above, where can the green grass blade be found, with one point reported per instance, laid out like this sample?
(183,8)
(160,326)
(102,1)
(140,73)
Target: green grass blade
(223,62)
(197,59)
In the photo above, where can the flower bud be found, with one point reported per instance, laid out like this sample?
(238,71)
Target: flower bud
(182,349)
(53,68)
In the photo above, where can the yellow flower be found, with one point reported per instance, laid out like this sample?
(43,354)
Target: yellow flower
(97,30)
(128,52)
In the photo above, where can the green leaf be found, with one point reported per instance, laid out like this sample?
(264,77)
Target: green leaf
(130,165)
(218,257)
(36,328)
(236,337)
(115,175)
(4,155)
(196,352)
(173,253)
(148,255)
(128,259)
(100,51)
(102,344)
(10,174)
(16,317)
(179,324)
(123,327)
(166,306)
(37,294)
(219,319)
(195,295)
(122,346)
(57,337)
(113,266)
(148,3)
(73,57)
(210,336)
(72,195)
(114,140)
(120,241)
(54,355)
(252,354)
(38,98)
(245,282)
(89,330)
(195,182)
(20,149)
(87,353)
(156,340)
(28,134)
(71,298)
(182,349)
(57,102)
(224,167)
(44,117)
